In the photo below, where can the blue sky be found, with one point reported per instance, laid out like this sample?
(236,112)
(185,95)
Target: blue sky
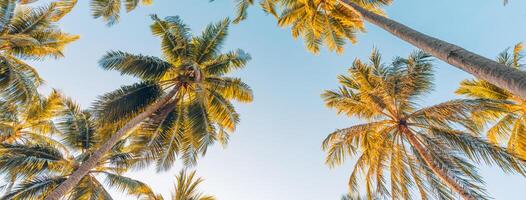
(275,152)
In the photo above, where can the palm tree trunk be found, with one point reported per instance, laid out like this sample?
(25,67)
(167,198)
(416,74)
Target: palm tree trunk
(452,184)
(86,166)
(481,67)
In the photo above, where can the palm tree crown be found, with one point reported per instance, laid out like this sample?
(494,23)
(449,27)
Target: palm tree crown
(39,167)
(28,33)
(109,10)
(321,22)
(420,147)
(186,187)
(508,122)
(201,112)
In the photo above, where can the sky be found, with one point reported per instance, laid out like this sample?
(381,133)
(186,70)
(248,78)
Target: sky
(275,152)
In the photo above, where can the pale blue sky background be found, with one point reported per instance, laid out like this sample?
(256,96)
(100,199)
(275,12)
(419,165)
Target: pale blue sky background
(275,153)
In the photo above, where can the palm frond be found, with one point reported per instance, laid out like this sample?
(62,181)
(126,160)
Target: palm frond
(187,187)
(126,101)
(143,67)
(208,44)
(225,63)
(175,37)
(34,188)
(108,10)
(63,7)
(28,160)
(241,9)
(480,150)
(129,185)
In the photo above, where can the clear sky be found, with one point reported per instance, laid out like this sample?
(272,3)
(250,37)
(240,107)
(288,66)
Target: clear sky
(275,153)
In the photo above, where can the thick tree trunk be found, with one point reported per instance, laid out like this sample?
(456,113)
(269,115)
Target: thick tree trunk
(481,67)
(86,166)
(452,184)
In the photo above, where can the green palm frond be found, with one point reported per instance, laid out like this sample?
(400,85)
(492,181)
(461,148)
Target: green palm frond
(222,111)
(29,160)
(143,67)
(34,188)
(7,7)
(230,88)
(90,188)
(165,136)
(77,127)
(209,43)
(18,81)
(479,150)
(200,125)
(128,185)
(45,43)
(225,63)
(46,108)
(63,7)
(126,101)
(459,169)
(110,10)
(241,12)
(175,38)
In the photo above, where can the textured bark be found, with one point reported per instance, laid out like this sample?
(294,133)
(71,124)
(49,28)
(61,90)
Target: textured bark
(452,184)
(96,157)
(481,67)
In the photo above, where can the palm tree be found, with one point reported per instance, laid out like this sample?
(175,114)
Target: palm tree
(28,33)
(109,10)
(28,123)
(508,123)
(353,197)
(186,187)
(419,147)
(332,22)
(185,98)
(31,122)
(39,167)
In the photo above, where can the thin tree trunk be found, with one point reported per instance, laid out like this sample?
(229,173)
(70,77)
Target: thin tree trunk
(481,67)
(95,158)
(452,184)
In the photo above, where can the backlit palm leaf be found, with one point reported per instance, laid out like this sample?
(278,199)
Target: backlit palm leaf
(186,187)
(506,122)
(29,33)
(26,122)
(405,150)
(110,10)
